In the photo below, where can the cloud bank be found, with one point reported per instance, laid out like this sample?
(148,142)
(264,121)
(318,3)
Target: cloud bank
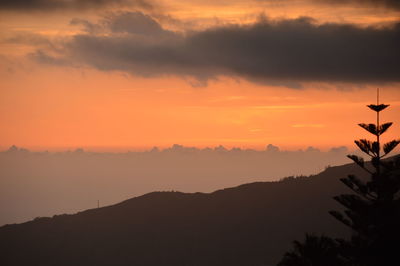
(43,184)
(51,5)
(390,4)
(290,50)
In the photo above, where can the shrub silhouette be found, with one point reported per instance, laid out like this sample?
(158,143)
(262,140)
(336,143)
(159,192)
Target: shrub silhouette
(372,211)
(316,250)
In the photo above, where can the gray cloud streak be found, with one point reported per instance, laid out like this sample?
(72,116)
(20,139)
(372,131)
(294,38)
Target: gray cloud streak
(46,5)
(391,4)
(267,51)
(49,5)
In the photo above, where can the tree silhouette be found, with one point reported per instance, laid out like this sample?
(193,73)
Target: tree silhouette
(316,250)
(373,210)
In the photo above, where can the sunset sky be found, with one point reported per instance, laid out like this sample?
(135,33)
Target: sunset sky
(133,74)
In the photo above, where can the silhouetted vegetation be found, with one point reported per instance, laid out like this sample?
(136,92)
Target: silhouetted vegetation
(316,250)
(372,211)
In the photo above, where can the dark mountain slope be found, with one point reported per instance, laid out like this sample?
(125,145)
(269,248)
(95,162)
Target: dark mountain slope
(251,224)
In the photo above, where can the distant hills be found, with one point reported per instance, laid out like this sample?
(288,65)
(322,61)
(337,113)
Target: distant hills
(252,224)
(36,184)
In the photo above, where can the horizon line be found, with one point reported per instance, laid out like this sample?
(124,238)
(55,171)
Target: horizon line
(176,146)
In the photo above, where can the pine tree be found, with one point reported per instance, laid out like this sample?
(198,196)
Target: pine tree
(373,210)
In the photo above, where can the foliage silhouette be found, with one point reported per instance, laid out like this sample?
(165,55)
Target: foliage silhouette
(316,250)
(372,211)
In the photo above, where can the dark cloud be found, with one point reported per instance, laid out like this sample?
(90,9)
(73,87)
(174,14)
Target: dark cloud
(267,51)
(45,58)
(87,25)
(391,4)
(134,23)
(25,37)
(45,5)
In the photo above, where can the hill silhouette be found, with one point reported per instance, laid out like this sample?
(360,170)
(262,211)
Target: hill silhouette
(52,177)
(252,224)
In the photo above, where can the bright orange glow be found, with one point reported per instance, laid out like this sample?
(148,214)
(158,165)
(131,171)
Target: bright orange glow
(53,109)
(44,107)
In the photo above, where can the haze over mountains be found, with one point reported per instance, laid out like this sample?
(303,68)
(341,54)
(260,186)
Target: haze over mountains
(252,224)
(36,184)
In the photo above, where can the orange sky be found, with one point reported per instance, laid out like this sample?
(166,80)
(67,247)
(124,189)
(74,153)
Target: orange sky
(58,107)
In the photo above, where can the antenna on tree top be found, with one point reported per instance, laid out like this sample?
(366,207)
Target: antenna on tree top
(377,96)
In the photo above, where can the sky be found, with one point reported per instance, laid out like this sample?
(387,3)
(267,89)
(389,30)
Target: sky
(133,74)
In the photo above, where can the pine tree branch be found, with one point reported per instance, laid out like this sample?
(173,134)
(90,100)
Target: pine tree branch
(389,146)
(365,146)
(371,128)
(378,108)
(359,161)
(382,128)
(339,216)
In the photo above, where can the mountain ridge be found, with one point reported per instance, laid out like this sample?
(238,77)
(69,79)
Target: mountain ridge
(251,224)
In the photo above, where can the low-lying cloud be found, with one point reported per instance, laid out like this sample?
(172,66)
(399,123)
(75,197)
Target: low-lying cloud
(43,184)
(290,50)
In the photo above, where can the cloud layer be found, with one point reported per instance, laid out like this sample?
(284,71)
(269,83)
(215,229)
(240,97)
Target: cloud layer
(50,5)
(46,5)
(41,184)
(391,4)
(291,50)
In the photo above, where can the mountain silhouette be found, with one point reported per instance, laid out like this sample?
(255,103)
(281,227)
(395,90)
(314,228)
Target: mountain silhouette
(252,224)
